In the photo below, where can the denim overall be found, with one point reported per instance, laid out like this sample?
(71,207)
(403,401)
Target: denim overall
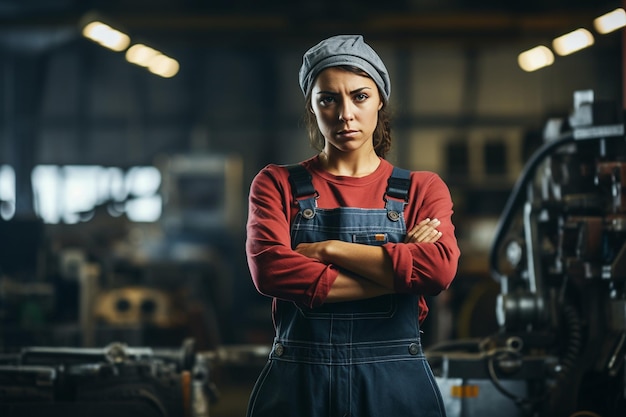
(358,358)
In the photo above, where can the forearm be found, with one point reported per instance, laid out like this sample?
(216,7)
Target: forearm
(349,288)
(369,262)
(424,269)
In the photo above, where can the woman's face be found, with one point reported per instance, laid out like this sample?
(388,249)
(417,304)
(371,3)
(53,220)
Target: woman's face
(346,107)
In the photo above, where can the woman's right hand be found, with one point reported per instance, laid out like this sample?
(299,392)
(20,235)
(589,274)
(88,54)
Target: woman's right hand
(424,232)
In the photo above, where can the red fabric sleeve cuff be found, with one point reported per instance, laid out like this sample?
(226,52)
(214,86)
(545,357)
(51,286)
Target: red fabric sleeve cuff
(320,291)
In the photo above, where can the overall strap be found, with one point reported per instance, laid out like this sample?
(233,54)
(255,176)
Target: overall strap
(398,187)
(399,183)
(300,180)
(302,187)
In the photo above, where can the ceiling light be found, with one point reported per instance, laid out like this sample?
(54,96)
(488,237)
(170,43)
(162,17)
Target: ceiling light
(94,28)
(535,58)
(164,66)
(141,54)
(611,21)
(572,42)
(156,62)
(106,36)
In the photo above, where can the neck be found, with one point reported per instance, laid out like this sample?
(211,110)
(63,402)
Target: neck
(349,165)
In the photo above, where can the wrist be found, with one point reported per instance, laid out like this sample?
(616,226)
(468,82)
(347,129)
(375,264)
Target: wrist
(329,251)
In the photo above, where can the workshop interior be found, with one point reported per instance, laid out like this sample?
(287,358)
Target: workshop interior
(130,131)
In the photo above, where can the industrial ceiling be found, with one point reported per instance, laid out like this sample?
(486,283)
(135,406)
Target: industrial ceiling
(40,23)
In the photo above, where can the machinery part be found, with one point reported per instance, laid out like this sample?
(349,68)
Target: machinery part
(518,310)
(135,305)
(517,196)
(114,380)
(562,302)
(487,379)
(115,353)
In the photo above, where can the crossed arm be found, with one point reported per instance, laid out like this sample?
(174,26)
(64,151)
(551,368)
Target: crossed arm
(365,271)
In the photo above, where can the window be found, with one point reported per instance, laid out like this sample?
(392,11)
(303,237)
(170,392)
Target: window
(7,192)
(73,193)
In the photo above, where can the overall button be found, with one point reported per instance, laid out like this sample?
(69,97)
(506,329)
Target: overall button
(393,215)
(279,349)
(414,349)
(308,213)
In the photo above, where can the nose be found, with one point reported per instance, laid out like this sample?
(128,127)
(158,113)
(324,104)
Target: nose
(346,112)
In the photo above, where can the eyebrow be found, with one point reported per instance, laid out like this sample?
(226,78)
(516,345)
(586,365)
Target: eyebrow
(358,90)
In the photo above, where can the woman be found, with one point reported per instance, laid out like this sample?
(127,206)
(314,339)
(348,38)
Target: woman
(327,239)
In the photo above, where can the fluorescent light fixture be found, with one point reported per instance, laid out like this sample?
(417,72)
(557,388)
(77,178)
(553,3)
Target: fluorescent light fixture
(535,58)
(106,36)
(572,42)
(164,66)
(611,21)
(141,54)
(155,61)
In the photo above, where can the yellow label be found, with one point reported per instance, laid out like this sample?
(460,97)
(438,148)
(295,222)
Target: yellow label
(464,391)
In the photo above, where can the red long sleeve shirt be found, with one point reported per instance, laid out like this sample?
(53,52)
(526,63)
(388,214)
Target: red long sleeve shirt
(280,272)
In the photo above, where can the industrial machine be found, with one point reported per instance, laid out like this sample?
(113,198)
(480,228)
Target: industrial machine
(559,256)
(114,380)
(117,380)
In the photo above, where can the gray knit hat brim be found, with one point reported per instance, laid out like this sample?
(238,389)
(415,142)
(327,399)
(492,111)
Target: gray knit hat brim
(340,50)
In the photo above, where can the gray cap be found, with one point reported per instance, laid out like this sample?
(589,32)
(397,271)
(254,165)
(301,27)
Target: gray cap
(344,50)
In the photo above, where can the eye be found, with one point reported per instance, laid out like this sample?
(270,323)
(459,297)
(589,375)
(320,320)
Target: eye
(361,97)
(326,100)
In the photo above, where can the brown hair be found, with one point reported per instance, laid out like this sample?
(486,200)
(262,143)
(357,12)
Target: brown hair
(382,132)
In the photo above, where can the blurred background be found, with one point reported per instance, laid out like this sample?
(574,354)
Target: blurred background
(123,186)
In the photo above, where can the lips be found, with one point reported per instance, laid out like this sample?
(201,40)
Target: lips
(347,132)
